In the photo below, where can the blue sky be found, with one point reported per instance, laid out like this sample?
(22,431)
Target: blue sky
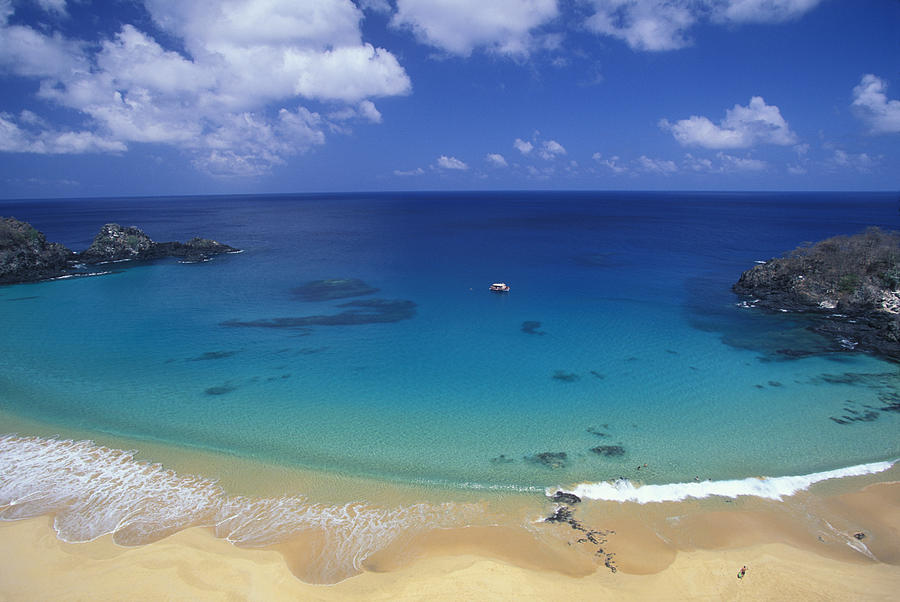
(145,97)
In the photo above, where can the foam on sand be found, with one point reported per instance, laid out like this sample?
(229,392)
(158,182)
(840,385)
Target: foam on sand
(773,488)
(94,491)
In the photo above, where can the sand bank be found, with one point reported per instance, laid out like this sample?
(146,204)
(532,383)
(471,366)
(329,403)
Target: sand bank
(696,556)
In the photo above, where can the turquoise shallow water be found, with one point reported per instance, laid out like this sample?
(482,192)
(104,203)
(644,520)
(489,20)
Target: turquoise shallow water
(641,350)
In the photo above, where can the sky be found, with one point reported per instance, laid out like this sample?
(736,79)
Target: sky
(169,97)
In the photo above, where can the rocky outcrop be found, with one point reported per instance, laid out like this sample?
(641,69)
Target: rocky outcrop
(851,284)
(115,243)
(26,256)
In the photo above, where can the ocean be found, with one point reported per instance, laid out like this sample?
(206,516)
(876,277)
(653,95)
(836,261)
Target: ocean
(619,361)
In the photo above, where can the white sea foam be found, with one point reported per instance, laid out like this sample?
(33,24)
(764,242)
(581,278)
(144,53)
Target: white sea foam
(94,491)
(773,488)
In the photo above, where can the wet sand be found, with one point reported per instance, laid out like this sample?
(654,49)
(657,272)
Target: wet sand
(802,548)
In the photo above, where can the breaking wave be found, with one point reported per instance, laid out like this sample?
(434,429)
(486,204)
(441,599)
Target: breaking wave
(93,491)
(773,488)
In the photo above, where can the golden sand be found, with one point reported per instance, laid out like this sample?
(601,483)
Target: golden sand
(695,556)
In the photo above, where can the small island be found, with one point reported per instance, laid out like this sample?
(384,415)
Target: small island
(850,284)
(27,256)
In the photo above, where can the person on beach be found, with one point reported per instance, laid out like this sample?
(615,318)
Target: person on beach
(742,572)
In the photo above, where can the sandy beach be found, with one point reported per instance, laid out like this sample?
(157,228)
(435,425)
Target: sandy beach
(696,556)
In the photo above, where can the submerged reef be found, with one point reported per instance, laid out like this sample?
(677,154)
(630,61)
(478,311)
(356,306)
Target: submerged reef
(26,256)
(549,459)
(370,311)
(849,285)
(335,288)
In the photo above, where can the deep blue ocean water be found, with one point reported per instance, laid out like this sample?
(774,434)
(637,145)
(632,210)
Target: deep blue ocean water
(619,333)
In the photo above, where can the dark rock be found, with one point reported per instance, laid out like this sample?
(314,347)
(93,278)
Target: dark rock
(26,256)
(846,285)
(564,497)
(859,535)
(117,243)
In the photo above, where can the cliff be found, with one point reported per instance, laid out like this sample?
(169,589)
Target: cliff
(26,256)
(851,283)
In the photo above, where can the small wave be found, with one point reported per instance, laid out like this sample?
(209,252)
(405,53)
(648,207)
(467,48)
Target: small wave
(93,491)
(773,488)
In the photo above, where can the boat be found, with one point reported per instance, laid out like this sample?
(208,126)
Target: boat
(500,287)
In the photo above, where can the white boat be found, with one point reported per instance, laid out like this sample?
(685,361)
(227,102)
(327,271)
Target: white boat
(500,287)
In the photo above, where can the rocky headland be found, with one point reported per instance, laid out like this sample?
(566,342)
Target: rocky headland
(27,256)
(849,284)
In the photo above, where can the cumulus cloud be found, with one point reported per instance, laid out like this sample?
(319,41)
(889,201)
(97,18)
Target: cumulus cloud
(859,162)
(757,123)
(460,26)
(412,172)
(496,159)
(612,163)
(871,104)
(551,149)
(660,166)
(657,25)
(46,141)
(445,162)
(233,100)
(732,163)
(523,146)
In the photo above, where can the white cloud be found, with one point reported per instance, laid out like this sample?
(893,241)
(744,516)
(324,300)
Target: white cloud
(643,24)
(660,166)
(460,26)
(872,105)
(732,163)
(232,101)
(412,172)
(376,6)
(859,162)
(446,162)
(612,163)
(53,6)
(551,149)
(523,146)
(15,139)
(658,25)
(760,11)
(757,123)
(796,170)
(496,159)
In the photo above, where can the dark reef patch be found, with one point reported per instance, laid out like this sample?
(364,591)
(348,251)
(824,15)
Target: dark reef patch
(597,375)
(24,298)
(220,390)
(775,383)
(212,355)
(610,451)
(502,459)
(311,350)
(595,431)
(531,327)
(566,377)
(371,311)
(334,288)
(549,459)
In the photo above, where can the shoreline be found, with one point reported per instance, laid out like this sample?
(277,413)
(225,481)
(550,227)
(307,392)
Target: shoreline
(711,543)
(339,537)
